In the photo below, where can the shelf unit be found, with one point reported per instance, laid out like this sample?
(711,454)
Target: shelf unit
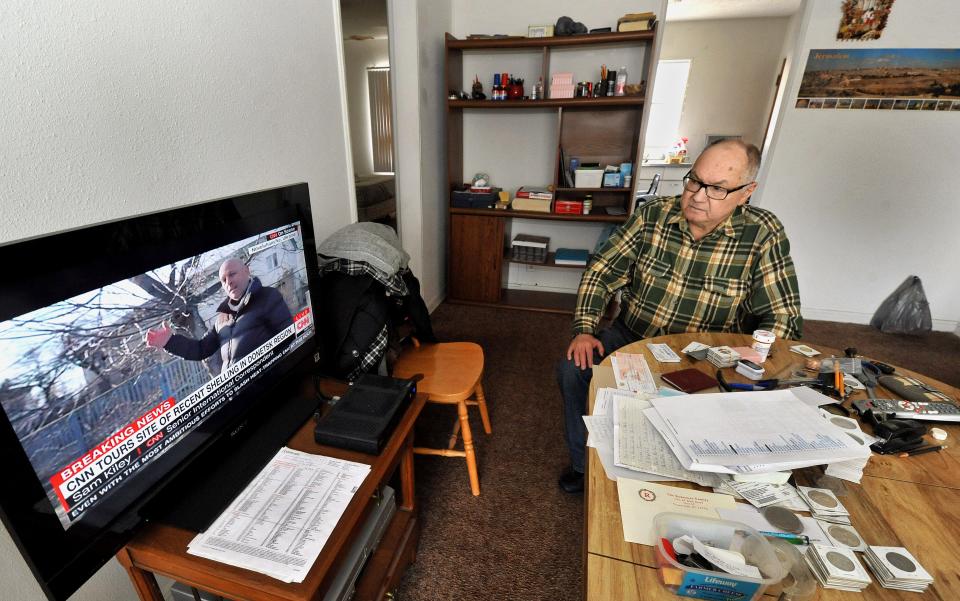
(606,130)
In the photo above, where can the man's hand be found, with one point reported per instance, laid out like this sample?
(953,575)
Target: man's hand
(158,338)
(581,348)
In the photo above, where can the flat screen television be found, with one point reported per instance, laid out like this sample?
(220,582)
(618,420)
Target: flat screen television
(149,367)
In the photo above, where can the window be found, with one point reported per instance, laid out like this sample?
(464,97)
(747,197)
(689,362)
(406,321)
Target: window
(663,125)
(381,126)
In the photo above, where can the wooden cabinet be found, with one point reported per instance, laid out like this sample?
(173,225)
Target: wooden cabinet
(605,130)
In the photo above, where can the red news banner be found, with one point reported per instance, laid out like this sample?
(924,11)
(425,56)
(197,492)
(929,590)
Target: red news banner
(80,485)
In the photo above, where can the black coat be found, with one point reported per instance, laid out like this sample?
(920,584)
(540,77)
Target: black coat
(262,315)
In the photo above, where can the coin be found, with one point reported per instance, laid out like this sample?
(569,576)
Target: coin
(821,498)
(900,562)
(845,536)
(855,437)
(783,519)
(841,562)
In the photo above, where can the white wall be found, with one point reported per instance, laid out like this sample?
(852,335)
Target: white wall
(868,197)
(417,28)
(111,109)
(733,71)
(357,56)
(517,147)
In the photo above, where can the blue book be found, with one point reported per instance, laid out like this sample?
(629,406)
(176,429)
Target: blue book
(571,256)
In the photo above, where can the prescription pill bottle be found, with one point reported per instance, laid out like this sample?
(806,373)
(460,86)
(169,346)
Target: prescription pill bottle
(762,341)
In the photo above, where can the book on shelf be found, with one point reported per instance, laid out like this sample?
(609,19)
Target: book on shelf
(571,256)
(542,193)
(531,241)
(527,254)
(540,205)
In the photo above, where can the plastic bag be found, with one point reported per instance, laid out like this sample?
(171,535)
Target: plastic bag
(906,311)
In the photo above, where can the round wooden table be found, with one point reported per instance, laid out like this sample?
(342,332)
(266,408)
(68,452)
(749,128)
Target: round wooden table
(912,502)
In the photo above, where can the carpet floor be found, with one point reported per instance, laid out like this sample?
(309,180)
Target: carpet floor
(522,538)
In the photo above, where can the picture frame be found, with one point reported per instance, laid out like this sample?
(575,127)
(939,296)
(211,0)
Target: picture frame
(540,31)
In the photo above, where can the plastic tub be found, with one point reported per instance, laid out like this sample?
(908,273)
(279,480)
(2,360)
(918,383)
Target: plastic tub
(707,584)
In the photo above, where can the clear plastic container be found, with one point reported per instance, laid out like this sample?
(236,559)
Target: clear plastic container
(707,584)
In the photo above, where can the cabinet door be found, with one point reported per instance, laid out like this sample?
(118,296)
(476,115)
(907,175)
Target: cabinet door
(476,258)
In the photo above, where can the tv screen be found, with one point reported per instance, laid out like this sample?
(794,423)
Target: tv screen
(130,352)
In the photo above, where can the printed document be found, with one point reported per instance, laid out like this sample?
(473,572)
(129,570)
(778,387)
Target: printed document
(640,502)
(638,446)
(736,429)
(280,522)
(633,373)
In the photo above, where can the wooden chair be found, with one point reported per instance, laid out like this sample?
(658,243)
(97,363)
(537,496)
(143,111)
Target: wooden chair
(451,375)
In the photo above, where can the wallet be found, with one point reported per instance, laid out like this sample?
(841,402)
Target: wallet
(689,380)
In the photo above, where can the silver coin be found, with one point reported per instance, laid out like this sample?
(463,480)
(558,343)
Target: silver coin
(900,562)
(783,519)
(842,423)
(844,535)
(841,562)
(821,498)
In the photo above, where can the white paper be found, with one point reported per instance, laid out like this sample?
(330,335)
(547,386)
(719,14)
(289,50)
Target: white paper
(736,429)
(663,353)
(600,429)
(605,396)
(280,522)
(761,494)
(632,373)
(640,502)
(637,445)
(730,562)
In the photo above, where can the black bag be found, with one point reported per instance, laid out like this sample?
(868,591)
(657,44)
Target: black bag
(906,311)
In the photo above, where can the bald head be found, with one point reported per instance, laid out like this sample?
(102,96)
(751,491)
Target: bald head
(234,277)
(751,156)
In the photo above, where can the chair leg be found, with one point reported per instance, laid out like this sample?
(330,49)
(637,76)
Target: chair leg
(482,404)
(454,435)
(468,448)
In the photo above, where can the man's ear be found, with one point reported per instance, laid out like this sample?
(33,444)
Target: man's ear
(748,192)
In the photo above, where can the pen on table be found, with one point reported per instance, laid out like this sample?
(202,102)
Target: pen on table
(922,450)
(795,539)
(837,378)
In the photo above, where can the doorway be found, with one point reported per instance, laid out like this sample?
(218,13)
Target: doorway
(366,58)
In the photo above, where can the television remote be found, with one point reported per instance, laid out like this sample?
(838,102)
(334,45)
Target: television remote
(940,411)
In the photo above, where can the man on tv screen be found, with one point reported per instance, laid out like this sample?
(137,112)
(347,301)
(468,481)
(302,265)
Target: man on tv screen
(250,315)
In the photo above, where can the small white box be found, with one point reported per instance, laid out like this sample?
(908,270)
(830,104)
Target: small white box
(587,178)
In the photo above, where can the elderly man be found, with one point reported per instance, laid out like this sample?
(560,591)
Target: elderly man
(703,261)
(249,316)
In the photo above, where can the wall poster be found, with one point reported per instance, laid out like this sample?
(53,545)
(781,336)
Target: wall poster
(925,79)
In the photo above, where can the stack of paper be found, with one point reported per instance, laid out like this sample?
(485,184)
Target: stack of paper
(837,568)
(632,373)
(824,505)
(752,432)
(280,522)
(851,470)
(896,568)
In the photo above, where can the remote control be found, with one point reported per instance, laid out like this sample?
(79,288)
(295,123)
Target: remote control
(940,411)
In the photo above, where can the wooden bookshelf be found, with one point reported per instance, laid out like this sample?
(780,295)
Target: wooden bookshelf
(606,130)
(550,262)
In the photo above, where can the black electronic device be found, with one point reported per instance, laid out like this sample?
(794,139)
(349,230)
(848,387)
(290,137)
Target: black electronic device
(365,416)
(933,411)
(101,433)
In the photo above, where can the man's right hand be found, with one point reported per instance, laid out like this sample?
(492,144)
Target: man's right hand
(581,350)
(159,337)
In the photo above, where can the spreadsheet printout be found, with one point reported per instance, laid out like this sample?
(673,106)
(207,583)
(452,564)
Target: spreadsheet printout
(280,522)
(754,427)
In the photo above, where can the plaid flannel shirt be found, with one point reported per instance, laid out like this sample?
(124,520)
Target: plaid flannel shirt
(738,277)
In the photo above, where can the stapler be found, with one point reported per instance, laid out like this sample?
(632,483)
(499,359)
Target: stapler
(898,435)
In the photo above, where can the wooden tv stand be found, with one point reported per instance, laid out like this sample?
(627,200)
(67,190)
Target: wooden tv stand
(162,549)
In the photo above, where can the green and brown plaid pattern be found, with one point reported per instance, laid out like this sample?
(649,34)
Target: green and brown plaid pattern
(737,278)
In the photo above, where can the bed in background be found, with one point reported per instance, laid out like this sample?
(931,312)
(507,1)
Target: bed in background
(376,197)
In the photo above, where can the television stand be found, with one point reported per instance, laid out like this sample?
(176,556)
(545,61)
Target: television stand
(162,548)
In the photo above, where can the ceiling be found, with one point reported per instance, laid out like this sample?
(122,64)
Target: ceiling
(695,10)
(366,18)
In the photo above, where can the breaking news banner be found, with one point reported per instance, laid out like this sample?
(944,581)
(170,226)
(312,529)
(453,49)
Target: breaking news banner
(87,479)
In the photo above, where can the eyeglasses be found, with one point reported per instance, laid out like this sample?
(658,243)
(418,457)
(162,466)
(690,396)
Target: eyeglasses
(693,185)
